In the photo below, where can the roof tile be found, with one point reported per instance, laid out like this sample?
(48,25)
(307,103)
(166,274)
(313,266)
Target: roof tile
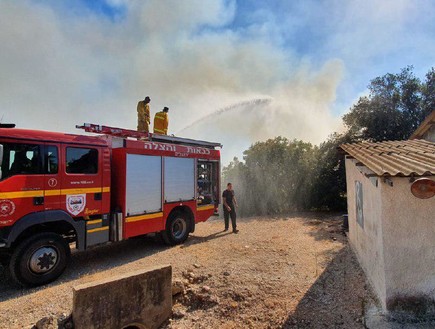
(395,158)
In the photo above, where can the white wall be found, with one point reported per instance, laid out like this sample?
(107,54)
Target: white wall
(396,247)
(409,241)
(367,242)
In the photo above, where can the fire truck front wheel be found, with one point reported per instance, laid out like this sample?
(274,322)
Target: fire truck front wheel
(177,228)
(39,259)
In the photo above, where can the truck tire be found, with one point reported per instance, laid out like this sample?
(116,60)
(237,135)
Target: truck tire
(177,228)
(39,259)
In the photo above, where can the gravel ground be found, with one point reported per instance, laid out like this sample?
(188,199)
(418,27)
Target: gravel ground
(286,272)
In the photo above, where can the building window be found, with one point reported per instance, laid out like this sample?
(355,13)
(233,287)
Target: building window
(359,203)
(81,160)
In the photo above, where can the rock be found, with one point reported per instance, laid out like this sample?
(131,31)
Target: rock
(177,287)
(206,288)
(196,265)
(65,321)
(226,273)
(234,304)
(191,277)
(269,304)
(178,314)
(48,322)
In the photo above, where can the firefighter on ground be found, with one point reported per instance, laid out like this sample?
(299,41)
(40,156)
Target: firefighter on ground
(143,115)
(161,122)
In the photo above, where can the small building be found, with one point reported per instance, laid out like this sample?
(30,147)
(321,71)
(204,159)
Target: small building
(391,207)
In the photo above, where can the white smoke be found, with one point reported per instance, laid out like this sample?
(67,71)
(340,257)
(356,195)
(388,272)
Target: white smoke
(60,68)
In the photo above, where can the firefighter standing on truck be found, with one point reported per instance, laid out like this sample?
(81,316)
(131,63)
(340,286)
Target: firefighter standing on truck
(161,122)
(143,115)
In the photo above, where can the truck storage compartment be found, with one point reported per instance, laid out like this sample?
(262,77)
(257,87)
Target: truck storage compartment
(143,184)
(179,179)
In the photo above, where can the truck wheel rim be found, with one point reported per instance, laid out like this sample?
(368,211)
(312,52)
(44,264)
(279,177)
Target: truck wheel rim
(179,228)
(43,260)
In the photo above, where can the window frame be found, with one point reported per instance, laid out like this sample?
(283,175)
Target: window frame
(66,162)
(8,147)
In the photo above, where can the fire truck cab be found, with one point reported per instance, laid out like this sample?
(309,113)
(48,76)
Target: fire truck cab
(59,191)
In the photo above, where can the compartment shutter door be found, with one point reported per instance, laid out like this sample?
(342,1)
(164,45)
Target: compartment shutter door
(144,184)
(179,179)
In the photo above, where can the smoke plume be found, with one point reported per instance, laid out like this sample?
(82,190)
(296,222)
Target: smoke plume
(64,67)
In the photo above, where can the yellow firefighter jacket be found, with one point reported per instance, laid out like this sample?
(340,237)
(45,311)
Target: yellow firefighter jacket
(161,122)
(143,116)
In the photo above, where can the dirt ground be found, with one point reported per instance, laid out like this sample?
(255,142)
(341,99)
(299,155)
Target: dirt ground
(286,272)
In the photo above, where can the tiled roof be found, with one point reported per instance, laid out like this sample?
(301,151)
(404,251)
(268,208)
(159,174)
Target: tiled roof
(396,158)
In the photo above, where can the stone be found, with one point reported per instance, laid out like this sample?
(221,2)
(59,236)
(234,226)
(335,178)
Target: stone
(140,299)
(177,287)
(65,321)
(178,314)
(48,322)
(196,265)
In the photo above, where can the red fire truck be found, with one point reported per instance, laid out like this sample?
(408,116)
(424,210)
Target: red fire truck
(59,190)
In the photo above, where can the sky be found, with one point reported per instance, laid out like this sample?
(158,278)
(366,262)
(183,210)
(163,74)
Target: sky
(231,71)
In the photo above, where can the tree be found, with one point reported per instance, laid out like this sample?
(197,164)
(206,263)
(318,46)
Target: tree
(277,177)
(330,174)
(428,94)
(394,108)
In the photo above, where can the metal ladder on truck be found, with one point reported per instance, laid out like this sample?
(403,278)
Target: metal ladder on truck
(129,133)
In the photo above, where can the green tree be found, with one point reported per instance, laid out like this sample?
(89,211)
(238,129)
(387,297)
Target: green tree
(329,192)
(428,93)
(276,177)
(394,108)
(279,175)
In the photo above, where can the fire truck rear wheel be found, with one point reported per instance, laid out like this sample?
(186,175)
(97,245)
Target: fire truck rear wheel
(39,259)
(177,228)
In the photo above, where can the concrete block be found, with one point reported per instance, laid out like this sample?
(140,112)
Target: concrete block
(140,299)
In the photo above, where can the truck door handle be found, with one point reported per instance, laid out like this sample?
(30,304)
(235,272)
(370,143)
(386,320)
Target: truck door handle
(98,196)
(38,200)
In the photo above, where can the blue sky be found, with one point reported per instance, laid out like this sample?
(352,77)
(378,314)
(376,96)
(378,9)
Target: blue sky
(77,61)
(305,30)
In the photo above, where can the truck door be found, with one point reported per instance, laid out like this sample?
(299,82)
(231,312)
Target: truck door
(82,190)
(22,181)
